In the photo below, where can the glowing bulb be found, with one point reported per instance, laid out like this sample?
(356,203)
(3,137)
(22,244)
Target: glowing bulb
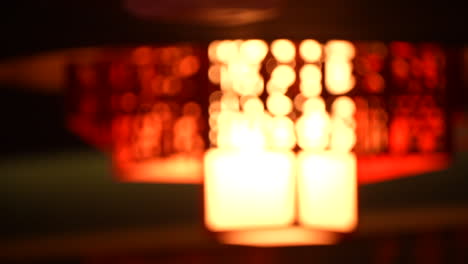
(283,76)
(280,134)
(212,50)
(310,73)
(253,105)
(230,102)
(254,50)
(313,130)
(215,96)
(248,189)
(279,104)
(328,190)
(214,74)
(338,76)
(342,138)
(283,50)
(274,87)
(310,89)
(226,51)
(343,107)
(315,104)
(310,50)
(340,49)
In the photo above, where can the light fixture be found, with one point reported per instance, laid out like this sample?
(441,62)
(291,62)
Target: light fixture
(279,132)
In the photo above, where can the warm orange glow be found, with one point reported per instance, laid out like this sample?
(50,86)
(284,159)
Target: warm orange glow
(339,49)
(314,104)
(212,50)
(344,107)
(338,66)
(281,134)
(274,87)
(310,89)
(290,236)
(283,50)
(245,79)
(230,102)
(342,137)
(248,189)
(188,66)
(142,56)
(214,74)
(338,76)
(310,50)
(251,171)
(241,131)
(313,130)
(283,76)
(327,190)
(253,105)
(310,73)
(279,104)
(226,51)
(174,169)
(254,50)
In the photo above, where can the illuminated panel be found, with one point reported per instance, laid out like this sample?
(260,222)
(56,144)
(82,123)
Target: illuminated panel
(290,236)
(245,189)
(157,117)
(251,170)
(327,190)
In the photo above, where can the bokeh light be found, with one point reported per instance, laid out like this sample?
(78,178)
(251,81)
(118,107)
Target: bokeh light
(343,107)
(279,104)
(283,76)
(310,50)
(253,50)
(283,50)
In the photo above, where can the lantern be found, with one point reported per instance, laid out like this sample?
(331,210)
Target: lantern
(280,133)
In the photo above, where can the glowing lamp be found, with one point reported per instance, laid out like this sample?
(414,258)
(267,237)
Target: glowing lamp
(279,133)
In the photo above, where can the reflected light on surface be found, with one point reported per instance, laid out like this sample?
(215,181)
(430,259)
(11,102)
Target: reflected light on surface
(265,180)
(283,50)
(175,169)
(279,104)
(253,50)
(310,50)
(293,236)
(328,190)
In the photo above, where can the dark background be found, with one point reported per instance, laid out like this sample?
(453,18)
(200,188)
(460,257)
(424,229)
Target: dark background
(59,203)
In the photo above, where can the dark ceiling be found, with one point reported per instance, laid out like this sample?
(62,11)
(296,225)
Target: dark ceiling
(30,26)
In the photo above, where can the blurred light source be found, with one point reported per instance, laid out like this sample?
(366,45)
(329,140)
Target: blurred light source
(259,190)
(280,140)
